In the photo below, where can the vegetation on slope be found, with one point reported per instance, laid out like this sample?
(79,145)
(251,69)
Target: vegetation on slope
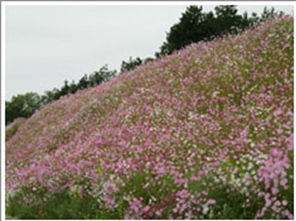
(12,128)
(206,132)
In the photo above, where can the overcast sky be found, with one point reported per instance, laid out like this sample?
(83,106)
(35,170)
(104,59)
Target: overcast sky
(46,45)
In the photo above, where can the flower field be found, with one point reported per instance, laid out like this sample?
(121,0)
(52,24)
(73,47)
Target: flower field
(205,133)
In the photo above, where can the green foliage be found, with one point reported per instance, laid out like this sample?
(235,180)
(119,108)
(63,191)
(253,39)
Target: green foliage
(230,203)
(48,96)
(83,82)
(91,80)
(23,105)
(196,25)
(11,132)
(130,64)
(12,129)
(103,75)
(60,205)
(269,14)
(67,204)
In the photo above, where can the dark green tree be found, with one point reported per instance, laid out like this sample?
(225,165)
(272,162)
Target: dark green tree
(65,89)
(95,78)
(23,105)
(193,27)
(196,25)
(48,96)
(130,64)
(83,82)
(270,14)
(228,21)
(73,87)
(103,75)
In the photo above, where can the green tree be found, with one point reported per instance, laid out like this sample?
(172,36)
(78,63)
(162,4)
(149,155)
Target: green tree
(73,87)
(23,105)
(130,64)
(83,82)
(103,75)
(228,21)
(191,28)
(196,25)
(270,14)
(65,89)
(48,97)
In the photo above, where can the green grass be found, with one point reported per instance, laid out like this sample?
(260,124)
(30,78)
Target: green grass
(70,205)
(12,129)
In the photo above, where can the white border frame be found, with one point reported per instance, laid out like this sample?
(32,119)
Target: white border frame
(157,3)
(109,3)
(2,215)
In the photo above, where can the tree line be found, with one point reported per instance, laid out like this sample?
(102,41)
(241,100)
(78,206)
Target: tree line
(24,105)
(193,26)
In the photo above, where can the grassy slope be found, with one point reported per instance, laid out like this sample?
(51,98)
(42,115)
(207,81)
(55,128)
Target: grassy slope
(12,128)
(222,108)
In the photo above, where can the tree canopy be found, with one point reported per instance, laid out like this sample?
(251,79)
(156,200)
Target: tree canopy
(196,25)
(130,64)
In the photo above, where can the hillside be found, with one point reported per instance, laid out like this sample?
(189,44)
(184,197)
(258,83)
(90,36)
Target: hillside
(204,133)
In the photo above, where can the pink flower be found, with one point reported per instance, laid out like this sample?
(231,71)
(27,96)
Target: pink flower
(109,202)
(215,164)
(146,209)
(275,152)
(158,213)
(274,190)
(285,202)
(211,201)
